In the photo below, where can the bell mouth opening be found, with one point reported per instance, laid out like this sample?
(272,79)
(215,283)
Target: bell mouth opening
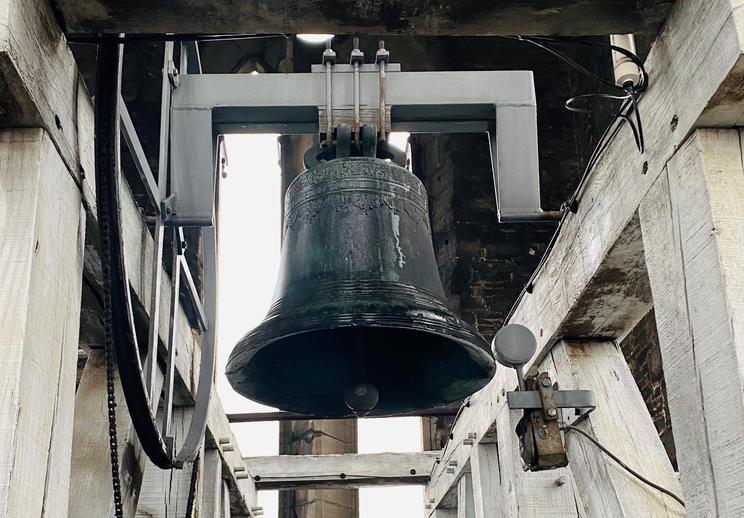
(310,372)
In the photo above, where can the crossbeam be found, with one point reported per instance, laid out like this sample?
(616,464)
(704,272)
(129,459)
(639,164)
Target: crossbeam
(410,17)
(340,471)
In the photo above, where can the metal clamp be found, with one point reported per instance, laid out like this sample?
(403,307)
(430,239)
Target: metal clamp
(539,430)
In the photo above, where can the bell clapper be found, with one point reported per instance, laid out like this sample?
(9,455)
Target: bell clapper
(361,398)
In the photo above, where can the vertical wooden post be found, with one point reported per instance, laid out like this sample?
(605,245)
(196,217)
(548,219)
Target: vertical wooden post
(622,423)
(693,235)
(165,492)
(465,504)
(212,484)
(225,500)
(484,466)
(41,261)
(90,482)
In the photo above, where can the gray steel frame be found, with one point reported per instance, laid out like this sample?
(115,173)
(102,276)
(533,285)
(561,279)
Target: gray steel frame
(500,104)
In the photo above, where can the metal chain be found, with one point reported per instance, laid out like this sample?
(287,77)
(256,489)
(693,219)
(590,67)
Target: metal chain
(109,59)
(192,486)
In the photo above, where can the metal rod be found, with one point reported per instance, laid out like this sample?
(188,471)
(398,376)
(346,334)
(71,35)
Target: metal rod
(193,293)
(172,345)
(153,332)
(329,95)
(382,60)
(138,155)
(256,417)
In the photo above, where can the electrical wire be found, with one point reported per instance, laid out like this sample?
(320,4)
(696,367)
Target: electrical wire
(622,464)
(131,38)
(628,108)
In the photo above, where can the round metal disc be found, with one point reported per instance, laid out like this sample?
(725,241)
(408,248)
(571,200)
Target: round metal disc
(514,345)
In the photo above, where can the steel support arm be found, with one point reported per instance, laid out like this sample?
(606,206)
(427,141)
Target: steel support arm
(500,104)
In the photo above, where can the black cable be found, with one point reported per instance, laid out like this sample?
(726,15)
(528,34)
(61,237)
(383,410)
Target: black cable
(622,464)
(130,38)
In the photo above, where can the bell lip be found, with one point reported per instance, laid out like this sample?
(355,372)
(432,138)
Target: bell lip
(244,351)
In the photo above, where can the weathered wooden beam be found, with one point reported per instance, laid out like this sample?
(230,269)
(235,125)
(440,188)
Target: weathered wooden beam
(90,478)
(693,233)
(40,82)
(520,494)
(485,474)
(406,17)
(699,45)
(465,501)
(164,493)
(211,473)
(622,423)
(41,263)
(343,471)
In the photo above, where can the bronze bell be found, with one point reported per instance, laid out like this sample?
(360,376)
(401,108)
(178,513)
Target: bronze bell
(359,322)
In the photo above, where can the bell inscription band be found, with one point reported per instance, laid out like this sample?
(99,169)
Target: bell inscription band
(359,323)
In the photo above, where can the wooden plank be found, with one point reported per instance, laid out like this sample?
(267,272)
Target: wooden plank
(41,261)
(39,79)
(242,491)
(211,497)
(406,17)
(164,493)
(700,44)
(343,470)
(693,233)
(90,480)
(465,501)
(622,423)
(485,471)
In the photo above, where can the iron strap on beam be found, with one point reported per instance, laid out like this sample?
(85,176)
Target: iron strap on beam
(256,417)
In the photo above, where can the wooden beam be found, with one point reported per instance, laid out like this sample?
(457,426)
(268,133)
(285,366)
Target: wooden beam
(465,501)
(521,494)
(622,423)
(485,472)
(343,471)
(41,84)
(211,497)
(693,230)
(409,17)
(41,262)
(699,45)
(90,479)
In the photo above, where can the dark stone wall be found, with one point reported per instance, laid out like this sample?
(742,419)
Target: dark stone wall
(642,352)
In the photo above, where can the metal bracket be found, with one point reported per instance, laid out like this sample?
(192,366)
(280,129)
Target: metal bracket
(539,430)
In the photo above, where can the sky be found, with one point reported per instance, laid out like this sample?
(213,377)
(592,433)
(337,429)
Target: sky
(250,240)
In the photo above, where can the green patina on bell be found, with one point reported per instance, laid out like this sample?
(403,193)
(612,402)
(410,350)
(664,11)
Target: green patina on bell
(359,318)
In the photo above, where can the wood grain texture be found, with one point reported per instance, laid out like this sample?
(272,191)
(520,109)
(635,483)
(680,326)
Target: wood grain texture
(622,423)
(485,472)
(453,17)
(41,258)
(304,471)
(522,494)
(211,474)
(164,493)
(90,480)
(39,78)
(694,235)
(682,55)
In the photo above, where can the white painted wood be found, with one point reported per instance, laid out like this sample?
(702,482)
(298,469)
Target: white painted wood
(485,471)
(40,80)
(693,234)
(701,45)
(211,500)
(465,502)
(622,423)
(90,479)
(225,509)
(41,242)
(164,493)
(305,471)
